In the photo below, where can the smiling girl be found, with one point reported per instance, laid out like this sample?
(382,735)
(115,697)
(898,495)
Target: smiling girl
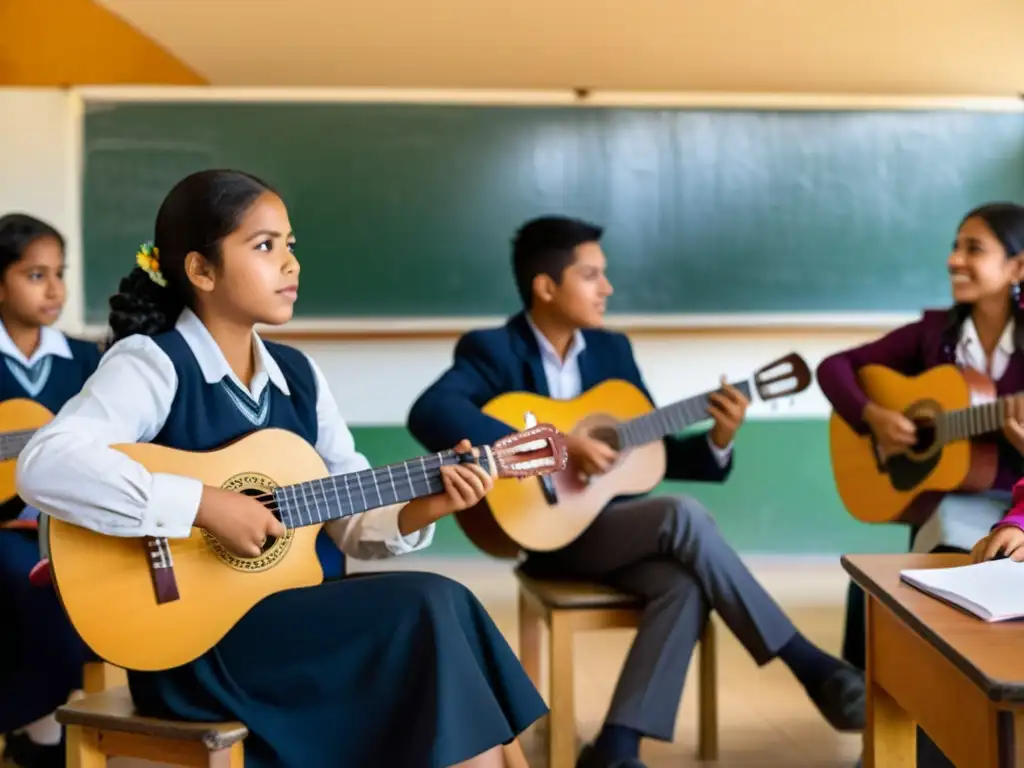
(983,330)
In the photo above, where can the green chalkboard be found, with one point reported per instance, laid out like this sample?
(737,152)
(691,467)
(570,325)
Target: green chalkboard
(406,210)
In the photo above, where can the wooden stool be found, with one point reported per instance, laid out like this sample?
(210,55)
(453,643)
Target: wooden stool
(104,725)
(570,607)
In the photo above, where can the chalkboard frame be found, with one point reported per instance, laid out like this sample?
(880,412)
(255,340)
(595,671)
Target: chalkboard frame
(402,327)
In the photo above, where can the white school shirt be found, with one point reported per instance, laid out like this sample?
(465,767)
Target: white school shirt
(52,343)
(68,469)
(970,353)
(565,382)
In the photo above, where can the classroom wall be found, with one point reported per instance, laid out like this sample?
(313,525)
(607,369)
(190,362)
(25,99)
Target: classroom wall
(74,42)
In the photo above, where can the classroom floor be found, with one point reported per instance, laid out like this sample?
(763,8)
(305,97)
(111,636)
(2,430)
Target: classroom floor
(764,717)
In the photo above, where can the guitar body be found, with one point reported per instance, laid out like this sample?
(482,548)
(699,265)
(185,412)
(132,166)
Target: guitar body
(517,515)
(17,415)
(105,585)
(910,486)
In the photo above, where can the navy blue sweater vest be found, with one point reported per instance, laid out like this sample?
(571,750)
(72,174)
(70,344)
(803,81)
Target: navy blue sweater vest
(52,381)
(206,416)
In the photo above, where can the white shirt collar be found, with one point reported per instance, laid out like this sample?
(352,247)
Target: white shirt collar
(973,353)
(51,342)
(215,367)
(547,349)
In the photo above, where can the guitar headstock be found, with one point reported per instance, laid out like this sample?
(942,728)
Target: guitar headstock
(539,450)
(782,378)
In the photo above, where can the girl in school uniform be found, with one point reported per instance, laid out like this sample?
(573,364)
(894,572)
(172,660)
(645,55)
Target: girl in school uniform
(394,669)
(984,330)
(41,656)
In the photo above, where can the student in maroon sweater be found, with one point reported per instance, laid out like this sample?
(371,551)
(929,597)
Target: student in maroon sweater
(984,330)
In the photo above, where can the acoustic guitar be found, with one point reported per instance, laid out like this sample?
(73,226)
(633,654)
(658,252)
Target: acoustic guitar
(551,512)
(953,410)
(19,420)
(157,603)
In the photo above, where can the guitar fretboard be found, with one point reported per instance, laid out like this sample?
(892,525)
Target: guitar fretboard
(669,419)
(13,443)
(331,498)
(973,421)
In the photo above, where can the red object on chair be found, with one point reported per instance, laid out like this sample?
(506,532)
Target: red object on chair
(20,525)
(40,575)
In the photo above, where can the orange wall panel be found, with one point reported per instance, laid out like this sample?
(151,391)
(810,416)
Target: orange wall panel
(76,42)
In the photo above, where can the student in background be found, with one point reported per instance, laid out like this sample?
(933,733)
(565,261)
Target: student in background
(666,549)
(984,330)
(41,656)
(399,669)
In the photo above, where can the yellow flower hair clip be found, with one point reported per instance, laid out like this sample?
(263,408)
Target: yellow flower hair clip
(148,258)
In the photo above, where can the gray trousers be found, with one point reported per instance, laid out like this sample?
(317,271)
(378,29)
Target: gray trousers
(668,551)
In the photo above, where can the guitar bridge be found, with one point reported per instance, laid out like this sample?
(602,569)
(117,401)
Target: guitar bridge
(161,570)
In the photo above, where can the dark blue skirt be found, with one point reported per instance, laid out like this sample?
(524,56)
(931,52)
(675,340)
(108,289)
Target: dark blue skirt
(403,670)
(41,655)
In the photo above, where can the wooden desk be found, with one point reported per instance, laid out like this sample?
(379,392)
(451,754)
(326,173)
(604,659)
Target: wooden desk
(959,678)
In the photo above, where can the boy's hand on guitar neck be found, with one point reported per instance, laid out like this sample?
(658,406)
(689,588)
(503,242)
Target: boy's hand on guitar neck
(728,408)
(893,431)
(239,522)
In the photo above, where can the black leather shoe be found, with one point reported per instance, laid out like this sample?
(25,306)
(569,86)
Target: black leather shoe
(842,699)
(25,753)
(589,758)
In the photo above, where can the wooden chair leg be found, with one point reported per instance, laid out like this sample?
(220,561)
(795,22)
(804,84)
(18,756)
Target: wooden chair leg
(514,757)
(530,628)
(83,748)
(232,757)
(562,720)
(707,745)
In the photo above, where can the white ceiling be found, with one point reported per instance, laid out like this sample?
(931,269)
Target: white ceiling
(882,46)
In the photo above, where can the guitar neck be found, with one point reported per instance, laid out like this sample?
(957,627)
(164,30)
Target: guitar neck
(338,496)
(670,419)
(973,421)
(13,443)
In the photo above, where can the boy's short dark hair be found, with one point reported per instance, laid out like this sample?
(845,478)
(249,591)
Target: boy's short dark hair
(546,246)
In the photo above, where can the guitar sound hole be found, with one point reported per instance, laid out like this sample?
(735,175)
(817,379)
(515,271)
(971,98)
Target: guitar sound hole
(606,435)
(259,492)
(925,435)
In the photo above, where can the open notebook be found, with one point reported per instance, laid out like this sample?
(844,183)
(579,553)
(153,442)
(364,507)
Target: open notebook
(992,591)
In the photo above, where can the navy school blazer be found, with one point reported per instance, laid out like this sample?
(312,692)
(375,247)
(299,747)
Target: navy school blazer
(495,361)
